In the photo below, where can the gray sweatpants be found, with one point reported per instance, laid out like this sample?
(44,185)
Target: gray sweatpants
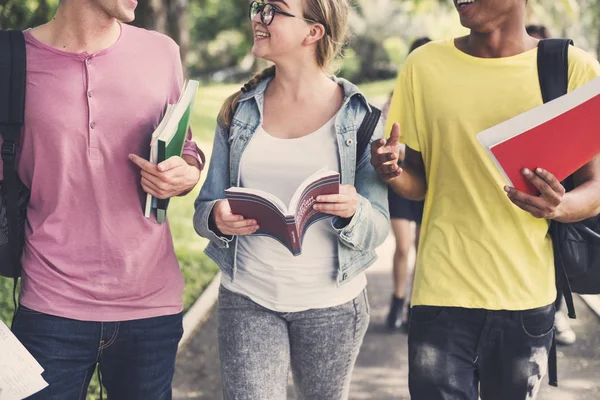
(258,346)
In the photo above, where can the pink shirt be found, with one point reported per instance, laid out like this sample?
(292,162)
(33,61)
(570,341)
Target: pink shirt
(90,254)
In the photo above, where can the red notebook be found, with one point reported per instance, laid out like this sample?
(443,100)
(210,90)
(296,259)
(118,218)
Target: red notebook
(560,136)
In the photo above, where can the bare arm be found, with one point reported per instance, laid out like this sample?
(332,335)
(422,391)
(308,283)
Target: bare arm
(553,203)
(408,180)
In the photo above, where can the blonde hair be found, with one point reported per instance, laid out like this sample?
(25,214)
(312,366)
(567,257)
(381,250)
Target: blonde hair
(333,15)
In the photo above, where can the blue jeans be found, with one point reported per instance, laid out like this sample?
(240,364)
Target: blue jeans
(136,358)
(259,346)
(459,353)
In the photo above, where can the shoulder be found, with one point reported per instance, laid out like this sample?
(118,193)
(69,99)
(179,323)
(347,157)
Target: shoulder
(430,51)
(583,67)
(151,40)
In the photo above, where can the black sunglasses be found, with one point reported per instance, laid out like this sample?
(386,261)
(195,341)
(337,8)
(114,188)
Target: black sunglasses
(267,13)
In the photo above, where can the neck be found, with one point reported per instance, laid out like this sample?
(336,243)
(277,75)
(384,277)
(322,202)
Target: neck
(80,26)
(297,81)
(508,39)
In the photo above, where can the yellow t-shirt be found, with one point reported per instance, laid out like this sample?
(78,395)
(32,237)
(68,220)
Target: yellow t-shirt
(477,249)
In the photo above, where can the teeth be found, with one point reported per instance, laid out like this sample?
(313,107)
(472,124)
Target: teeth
(461,2)
(260,34)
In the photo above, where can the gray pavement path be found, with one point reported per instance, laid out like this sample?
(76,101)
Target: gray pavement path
(381,372)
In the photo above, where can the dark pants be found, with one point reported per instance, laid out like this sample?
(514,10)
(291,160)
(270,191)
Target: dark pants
(458,353)
(136,358)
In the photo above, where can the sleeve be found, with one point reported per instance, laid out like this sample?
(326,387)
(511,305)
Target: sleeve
(583,67)
(189,148)
(402,109)
(369,226)
(213,190)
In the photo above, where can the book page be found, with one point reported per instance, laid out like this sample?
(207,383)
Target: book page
(271,198)
(20,373)
(539,115)
(300,191)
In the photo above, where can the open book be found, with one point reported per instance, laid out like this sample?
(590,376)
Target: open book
(285,223)
(168,139)
(560,136)
(20,373)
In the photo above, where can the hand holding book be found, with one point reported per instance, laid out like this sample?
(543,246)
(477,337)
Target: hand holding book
(287,223)
(170,178)
(547,204)
(231,224)
(342,205)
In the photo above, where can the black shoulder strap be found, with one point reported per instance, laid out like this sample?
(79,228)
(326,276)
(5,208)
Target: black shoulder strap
(365,132)
(12,111)
(12,80)
(553,67)
(553,72)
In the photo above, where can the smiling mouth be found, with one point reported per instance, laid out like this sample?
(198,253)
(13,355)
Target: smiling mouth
(462,4)
(261,35)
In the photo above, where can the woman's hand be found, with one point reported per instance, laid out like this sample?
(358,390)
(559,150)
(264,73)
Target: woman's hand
(231,224)
(342,205)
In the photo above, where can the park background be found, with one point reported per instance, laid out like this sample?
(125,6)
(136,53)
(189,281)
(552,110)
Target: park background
(215,40)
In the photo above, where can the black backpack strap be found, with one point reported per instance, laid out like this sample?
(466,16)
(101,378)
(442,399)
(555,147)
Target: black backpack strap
(365,132)
(553,67)
(12,113)
(553,73)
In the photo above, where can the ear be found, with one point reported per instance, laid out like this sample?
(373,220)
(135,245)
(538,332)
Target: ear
(316,33)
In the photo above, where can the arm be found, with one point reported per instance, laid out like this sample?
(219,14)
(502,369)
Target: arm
(408,180)
(213,218)
(213,190)
(365,225)
(554,203)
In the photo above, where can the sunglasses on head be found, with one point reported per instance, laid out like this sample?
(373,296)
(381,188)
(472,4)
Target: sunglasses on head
(267,13)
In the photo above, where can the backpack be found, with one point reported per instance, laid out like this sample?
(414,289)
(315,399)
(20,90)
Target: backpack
(14,195)
(576,245)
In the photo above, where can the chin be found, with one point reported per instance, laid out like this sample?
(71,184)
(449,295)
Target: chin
(126,16)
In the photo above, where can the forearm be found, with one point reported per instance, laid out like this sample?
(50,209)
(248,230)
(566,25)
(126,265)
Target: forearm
(581,203)
(409,184)
(194,173)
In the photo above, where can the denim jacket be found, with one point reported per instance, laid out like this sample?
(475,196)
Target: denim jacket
(358,237)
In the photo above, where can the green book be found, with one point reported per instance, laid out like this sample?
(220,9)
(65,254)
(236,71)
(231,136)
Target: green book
(168,140)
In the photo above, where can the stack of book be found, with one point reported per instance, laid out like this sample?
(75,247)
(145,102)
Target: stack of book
(168,139)
(560,136)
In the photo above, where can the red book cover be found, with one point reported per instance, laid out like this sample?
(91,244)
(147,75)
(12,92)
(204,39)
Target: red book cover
(560,136)
(285,223)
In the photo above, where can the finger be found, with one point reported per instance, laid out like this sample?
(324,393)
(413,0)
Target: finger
(331,207)
(375,145)
(158,181)
(388,168)
(394,135)
(536,212)
(171,163)
(142,163)
(245,231)
(241,224)
(519,197)
(228,217)
(384,158)
(333,198)
(149,185)
(551,180)
(542,186)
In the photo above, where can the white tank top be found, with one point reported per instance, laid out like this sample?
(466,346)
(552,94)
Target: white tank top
(267,272)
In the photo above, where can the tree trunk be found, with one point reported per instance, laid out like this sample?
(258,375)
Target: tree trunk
(168,17)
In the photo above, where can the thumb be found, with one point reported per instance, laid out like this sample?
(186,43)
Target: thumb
(170,163)
(395,134)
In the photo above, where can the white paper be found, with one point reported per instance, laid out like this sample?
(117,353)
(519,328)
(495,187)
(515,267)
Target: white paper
(20,373)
